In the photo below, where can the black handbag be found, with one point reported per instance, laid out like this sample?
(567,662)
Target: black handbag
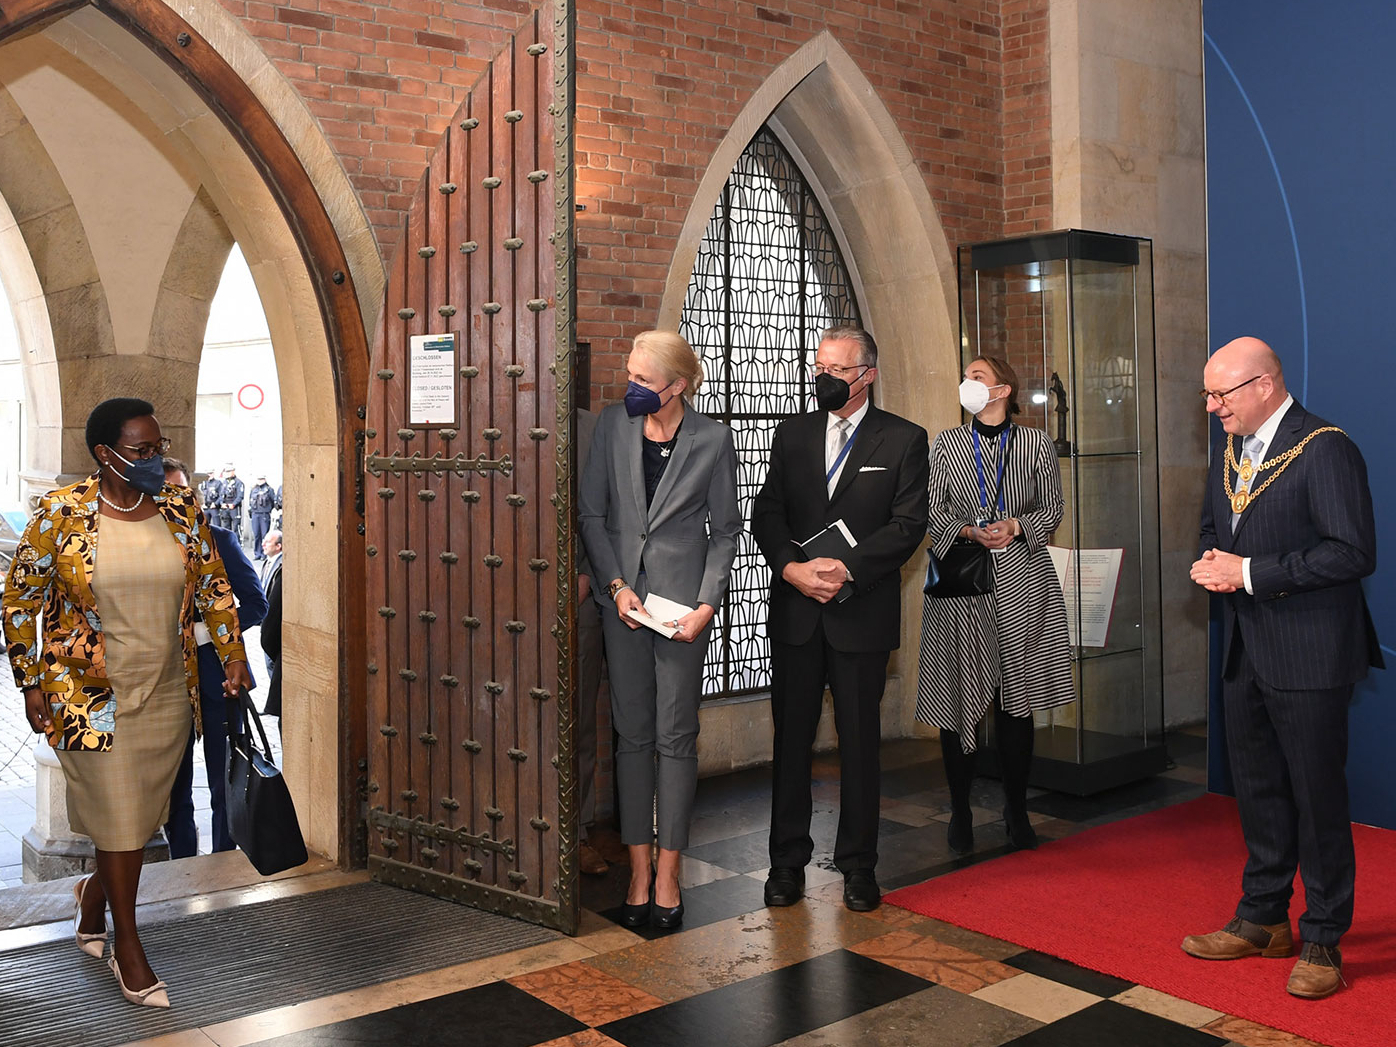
(261,817)
(962,571)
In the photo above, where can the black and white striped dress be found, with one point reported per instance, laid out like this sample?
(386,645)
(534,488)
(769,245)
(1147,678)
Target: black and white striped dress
(1015,636)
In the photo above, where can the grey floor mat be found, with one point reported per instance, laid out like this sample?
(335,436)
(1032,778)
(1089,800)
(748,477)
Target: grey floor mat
(225,964)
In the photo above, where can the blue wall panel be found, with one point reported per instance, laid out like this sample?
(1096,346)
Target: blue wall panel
(1301,184)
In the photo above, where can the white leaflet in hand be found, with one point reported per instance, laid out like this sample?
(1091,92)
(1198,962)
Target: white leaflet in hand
(659,610)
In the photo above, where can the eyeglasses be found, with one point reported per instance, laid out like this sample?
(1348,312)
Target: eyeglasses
(1209,394)
(144,451)
(837,371)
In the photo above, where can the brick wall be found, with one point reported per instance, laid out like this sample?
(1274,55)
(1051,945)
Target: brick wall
(659,84)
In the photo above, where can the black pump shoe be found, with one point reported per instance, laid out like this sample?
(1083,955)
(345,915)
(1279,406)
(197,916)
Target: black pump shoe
(667,919)
(633,916)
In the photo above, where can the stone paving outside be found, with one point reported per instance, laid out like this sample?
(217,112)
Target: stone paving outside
(17,766)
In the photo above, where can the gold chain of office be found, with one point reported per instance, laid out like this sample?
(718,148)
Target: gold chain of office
(1245,469)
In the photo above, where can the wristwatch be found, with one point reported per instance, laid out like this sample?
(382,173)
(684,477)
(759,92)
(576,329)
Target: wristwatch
(613,590)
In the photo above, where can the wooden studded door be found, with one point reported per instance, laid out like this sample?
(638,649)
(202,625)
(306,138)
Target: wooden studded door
(468,462)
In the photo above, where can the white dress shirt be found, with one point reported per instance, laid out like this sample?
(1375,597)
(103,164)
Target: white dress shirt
(831,441)
(1266,435)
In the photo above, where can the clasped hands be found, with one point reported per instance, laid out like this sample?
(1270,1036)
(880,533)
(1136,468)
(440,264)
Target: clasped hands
(994,535)
(1218,572)
(819,579)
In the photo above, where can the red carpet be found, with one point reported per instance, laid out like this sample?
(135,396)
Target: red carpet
(1120,898)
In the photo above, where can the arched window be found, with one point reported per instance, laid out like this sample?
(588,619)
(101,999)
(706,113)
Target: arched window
(768,279)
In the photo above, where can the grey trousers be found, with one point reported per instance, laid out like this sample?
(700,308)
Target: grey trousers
(656,685)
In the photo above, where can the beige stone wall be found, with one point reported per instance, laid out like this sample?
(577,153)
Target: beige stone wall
(1127,156)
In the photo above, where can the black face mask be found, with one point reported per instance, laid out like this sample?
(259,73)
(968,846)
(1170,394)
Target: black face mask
(830,393)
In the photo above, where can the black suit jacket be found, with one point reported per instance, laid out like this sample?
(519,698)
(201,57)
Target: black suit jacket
(881,496)
(1311,538)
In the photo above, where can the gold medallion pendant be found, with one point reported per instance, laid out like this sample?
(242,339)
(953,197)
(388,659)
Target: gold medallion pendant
(1246,470)
(1239,501)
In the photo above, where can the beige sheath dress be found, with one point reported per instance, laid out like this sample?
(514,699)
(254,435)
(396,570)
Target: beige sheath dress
(119,798)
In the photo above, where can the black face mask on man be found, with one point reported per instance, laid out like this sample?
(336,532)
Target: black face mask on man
(831,393)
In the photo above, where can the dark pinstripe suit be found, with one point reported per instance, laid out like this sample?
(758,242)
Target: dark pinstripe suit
(1291,654)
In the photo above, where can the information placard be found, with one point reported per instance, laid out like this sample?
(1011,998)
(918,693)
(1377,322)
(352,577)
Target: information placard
(1090,577)
(431,376)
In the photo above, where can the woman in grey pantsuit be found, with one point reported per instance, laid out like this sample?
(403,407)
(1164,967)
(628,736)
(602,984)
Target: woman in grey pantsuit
(659,515)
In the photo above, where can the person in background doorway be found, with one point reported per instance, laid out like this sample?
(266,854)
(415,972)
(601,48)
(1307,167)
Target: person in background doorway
(211,492)
(261,500)
(117,568)
(277,516)
(252,608)
(589,654)
(997,484)
(271,556)
(233,490)
(271,635)
(1288,534)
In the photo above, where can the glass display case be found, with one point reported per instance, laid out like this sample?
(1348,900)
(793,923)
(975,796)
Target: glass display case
(1072,312)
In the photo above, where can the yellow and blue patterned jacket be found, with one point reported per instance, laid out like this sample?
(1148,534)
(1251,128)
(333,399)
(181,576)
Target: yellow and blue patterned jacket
(50,584)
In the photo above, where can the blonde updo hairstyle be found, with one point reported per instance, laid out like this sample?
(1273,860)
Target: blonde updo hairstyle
(673,356)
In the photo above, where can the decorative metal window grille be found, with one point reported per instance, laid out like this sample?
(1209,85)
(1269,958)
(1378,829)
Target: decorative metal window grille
(768,279)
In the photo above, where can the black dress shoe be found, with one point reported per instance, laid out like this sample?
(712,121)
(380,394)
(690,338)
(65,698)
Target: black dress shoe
(784,886)
(961,834)
(1020,831)
(860,891)
(667,919)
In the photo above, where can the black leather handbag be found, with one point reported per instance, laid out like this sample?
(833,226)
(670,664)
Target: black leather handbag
(962,571)
(261,817)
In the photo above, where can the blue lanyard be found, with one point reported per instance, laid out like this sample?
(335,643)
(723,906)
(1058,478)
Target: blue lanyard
(979,468)
(842,455)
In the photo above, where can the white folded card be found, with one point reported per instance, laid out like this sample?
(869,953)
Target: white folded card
(659,610)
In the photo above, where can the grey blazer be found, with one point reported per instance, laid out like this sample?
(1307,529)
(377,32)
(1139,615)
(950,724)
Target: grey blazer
(688,536)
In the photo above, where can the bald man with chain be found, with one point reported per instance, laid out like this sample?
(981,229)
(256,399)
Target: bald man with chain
(1287,536)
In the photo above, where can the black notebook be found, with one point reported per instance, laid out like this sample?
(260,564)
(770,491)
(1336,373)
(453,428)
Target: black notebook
(836,541)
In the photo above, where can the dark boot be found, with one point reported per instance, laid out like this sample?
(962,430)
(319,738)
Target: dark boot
(1014,735)
(959,774)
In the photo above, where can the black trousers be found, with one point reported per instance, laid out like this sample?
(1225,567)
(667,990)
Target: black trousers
(1288,754)
(799,675)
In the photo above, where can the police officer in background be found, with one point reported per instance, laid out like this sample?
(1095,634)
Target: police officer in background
(233,490)
(261,500)
(211,491)
(277,517)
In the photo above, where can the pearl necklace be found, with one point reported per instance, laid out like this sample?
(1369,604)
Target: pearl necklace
(119,508)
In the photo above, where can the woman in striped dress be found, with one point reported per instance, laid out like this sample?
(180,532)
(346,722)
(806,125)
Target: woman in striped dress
(1007,649)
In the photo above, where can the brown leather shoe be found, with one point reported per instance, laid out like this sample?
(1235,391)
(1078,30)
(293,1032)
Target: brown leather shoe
(1241,938)
(1317,973)
(589,860)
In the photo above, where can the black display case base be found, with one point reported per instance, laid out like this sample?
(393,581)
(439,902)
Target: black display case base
(1105,760)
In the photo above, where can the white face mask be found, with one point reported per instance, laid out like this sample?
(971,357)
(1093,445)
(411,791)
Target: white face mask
(974,395)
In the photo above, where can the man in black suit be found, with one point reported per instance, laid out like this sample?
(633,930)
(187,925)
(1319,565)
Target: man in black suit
(1287,536)
(871,469)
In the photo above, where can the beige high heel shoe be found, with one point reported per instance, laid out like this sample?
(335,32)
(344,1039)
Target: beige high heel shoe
(154,996)
(92,944)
